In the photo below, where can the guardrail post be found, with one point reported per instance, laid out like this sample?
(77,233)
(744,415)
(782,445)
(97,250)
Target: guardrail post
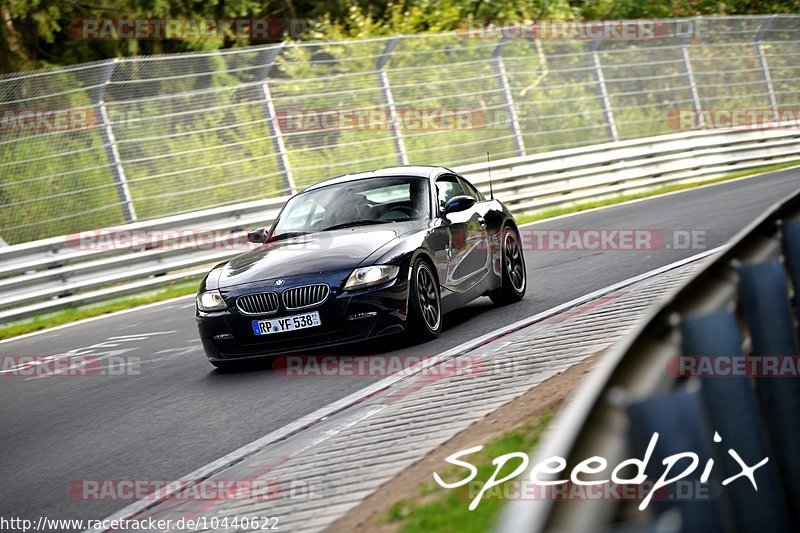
(508,98)
(679,420)
(791,252)
(602,91)
(687,65)
(273,124)
(762,58)
(765,301)
(388,97)
(97,96)
(717,334)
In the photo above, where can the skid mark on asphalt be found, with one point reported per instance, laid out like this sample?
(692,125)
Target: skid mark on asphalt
(176,352)
(108,352)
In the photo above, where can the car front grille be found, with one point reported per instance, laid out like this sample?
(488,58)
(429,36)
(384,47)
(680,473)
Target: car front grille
(258,304)
(305,296)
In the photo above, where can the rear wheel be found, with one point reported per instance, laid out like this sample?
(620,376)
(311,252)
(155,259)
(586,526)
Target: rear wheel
(425,310)
(514,277)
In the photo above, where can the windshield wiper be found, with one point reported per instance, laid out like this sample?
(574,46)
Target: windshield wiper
(288,235)
(359,222)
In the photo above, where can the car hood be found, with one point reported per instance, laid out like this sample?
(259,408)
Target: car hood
(309,254)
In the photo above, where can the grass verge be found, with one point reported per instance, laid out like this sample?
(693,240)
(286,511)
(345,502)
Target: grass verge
(79,313)
(621,198)
(436,509)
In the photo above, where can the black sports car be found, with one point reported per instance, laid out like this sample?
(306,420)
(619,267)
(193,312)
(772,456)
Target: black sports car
(359,256)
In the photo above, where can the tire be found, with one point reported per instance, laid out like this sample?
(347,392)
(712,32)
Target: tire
(514,277)
(424,303)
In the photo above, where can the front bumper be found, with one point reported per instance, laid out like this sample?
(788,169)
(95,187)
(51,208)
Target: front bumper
(228,334)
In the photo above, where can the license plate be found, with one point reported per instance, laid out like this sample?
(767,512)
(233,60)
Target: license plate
(287,323)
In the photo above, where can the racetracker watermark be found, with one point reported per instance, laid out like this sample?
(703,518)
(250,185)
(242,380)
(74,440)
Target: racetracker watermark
(43,366)
(525,489)
(609,239)
(47,120)
(462,238)
(181,29)
(345,366)
(723,119)
(206,490)
(734,366)
(380,118)
(576,29)
(190,237)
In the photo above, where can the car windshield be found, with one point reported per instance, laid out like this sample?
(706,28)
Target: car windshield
(355,203)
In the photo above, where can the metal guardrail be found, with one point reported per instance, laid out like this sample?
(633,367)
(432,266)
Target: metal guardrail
(59,272)
(250,123)
(746,302)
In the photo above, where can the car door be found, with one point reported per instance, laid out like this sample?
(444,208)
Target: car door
(477,255)
(467,251)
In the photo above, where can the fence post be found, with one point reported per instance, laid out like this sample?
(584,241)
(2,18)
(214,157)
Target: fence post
(388,97)
(762,58)
(273,124)
(687,65)
(602,91)
(97,96)
(508,98)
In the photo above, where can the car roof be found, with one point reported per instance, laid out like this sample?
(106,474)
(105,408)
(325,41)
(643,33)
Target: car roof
(420,171)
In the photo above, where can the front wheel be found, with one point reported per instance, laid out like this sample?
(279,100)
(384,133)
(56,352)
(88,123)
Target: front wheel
(513,265)
(425,310)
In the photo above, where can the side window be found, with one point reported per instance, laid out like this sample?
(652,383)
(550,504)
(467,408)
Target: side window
(447,187)
(470,190)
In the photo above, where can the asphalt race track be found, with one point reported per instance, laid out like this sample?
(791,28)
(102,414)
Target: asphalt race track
(179,413)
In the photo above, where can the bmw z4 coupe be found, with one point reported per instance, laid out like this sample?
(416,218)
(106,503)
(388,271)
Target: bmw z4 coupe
(361,256)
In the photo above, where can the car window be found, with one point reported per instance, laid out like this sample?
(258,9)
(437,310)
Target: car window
(470,190)
(391,193)
(306,211)
(447,187)
(358,202)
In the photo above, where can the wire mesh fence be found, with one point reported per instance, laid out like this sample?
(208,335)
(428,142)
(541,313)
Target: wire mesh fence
(117,141)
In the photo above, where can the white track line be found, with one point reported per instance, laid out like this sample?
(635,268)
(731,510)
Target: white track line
(305,422)
(100,317)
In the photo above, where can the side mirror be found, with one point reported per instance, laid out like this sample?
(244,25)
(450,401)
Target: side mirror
(458,203)
(258,235)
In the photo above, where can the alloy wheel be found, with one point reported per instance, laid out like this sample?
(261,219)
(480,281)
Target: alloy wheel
(428,297)
(513,262)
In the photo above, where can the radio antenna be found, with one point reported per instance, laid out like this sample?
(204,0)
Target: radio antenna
(489,167)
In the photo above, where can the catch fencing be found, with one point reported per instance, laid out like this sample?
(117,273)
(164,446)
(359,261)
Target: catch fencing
(86,267)
(136,139)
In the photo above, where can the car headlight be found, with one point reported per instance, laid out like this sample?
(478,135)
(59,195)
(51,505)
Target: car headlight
(371,275)
(210,301)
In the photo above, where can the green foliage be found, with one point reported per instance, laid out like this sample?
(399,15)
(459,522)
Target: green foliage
(42,27)
(73,314)
(194,133)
